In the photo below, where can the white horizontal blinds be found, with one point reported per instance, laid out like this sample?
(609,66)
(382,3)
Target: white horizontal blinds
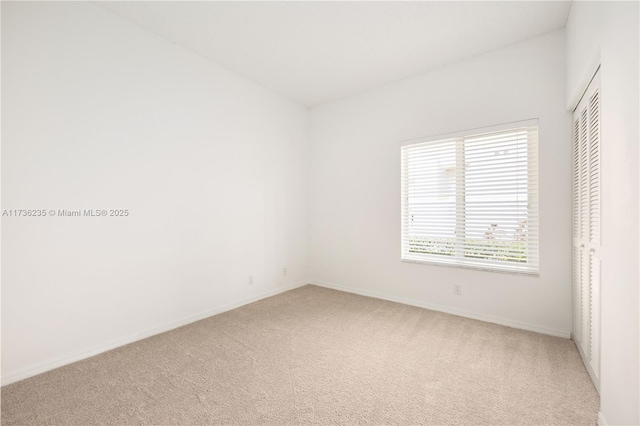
(499,185)
(429,185)
(472,201)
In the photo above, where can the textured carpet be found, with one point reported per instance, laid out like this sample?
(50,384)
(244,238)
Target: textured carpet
(314,355)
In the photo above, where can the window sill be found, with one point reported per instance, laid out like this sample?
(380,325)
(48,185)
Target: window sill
(532,274)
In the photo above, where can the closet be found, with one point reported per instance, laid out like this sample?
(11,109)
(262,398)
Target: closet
(586,228)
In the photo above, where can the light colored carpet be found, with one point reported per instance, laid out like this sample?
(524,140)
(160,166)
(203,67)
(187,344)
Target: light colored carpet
(314,355)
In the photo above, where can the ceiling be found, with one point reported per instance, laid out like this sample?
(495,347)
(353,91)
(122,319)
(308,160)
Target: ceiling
(318,52)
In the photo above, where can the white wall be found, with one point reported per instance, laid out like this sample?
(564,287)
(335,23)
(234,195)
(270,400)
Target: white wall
(97,114)
(607,33)
(355,184)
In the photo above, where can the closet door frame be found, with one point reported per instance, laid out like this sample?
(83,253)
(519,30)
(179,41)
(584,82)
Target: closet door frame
(587,206)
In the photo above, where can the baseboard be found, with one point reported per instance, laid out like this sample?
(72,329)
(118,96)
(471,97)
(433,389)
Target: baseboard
(601,420)
(42,367)
(446,309)
(33,370)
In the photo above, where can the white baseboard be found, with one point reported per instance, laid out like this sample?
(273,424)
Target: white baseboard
(446,309)
(41,367)
(35,369)
(601,420)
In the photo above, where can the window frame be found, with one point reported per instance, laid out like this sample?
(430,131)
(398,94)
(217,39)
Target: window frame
(532,196)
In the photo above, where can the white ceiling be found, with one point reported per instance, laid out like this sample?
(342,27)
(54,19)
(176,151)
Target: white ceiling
(317,52)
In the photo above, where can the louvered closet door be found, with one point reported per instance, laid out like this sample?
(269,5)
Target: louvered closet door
(586,228)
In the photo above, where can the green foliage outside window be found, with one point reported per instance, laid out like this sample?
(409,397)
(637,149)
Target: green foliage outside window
(490,249)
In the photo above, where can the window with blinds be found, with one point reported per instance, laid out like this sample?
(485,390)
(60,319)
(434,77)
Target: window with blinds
(471,199)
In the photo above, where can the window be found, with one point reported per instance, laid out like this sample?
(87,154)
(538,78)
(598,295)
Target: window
(471,199)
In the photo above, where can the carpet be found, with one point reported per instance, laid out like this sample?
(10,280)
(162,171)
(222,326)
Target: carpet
(318,356)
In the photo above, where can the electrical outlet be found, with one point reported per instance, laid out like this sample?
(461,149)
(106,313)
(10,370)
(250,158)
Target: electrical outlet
(250,279)
(284,272)
(457,289)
